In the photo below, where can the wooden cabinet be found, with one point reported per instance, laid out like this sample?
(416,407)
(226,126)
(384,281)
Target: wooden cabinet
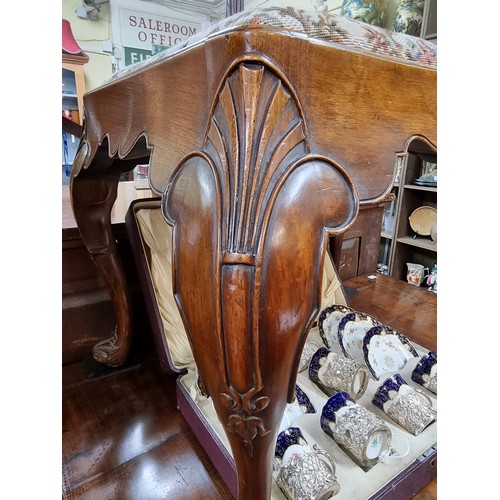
(356,251)
(399,242)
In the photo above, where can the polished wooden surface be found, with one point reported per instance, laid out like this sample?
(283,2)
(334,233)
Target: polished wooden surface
(71,127)
(258,164)
(123,438)
(376,106)
(408,308)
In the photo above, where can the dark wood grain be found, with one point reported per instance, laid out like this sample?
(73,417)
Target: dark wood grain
(71,127)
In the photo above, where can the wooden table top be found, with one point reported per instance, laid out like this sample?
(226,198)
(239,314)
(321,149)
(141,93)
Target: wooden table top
(410,309)
(126,194)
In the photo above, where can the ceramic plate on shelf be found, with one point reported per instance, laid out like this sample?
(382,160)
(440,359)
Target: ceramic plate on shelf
(420,182)
(328,323)
(422,219)
(351,332)
(386,351)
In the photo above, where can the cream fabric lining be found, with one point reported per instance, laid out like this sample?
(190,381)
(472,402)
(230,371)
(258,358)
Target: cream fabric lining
(157,235)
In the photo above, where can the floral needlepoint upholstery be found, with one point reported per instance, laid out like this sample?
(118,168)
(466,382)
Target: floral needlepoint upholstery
(322,26)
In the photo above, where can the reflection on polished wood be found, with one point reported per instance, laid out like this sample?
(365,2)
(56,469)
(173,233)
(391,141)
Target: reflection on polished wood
(408,308)
(123,438)
(427,493)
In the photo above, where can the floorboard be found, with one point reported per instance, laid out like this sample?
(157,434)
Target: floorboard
(124,438)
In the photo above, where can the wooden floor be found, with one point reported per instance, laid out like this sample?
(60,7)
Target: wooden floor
(124,438)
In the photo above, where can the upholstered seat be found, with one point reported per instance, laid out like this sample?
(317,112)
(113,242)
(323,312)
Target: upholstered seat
(328,27)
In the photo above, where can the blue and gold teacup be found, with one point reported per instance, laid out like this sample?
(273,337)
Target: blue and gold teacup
(359,432)
(425,373)
(408,407)
(302,471)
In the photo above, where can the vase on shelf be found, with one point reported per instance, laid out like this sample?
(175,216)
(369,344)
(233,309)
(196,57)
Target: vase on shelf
(408,17)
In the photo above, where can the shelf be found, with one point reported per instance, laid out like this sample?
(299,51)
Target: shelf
(71,96)
(421,188)
(387,236)
(418,242)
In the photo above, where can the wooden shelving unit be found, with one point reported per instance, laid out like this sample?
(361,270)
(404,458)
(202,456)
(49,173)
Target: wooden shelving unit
(402,245)
(398,242)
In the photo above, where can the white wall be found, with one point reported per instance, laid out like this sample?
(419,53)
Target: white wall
(101,39)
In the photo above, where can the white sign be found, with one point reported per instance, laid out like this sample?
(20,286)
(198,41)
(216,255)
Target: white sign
(142,30)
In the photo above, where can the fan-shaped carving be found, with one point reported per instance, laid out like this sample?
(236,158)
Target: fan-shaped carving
(255,125)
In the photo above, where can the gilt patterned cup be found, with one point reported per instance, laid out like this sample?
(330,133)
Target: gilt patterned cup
(361,433)
(303,472)
(407,406)
(334,371)
(425,373)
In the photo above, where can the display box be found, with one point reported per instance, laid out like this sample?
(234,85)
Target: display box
(397,477)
